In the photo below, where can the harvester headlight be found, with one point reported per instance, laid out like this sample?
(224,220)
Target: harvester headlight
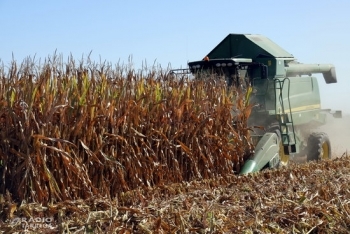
(218,64)
(229,64)
(223,64)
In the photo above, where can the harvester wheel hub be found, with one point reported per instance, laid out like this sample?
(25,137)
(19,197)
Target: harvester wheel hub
(325,151)
(284,159)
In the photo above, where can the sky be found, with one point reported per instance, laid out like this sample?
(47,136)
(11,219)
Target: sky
(171,33)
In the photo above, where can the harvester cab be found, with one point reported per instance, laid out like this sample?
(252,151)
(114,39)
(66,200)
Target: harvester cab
(286,95)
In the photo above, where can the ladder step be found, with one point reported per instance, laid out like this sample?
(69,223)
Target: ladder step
(289,149)
(284,118)
(288,138)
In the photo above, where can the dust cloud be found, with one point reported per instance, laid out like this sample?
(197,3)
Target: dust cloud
(338,130)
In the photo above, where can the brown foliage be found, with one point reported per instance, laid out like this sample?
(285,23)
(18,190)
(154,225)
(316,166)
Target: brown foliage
(306,198)
(70,132)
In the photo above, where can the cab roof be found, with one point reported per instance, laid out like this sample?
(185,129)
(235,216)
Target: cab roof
(248,46)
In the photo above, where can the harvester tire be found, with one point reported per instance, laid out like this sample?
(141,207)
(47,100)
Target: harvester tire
(284,158)
(319,147)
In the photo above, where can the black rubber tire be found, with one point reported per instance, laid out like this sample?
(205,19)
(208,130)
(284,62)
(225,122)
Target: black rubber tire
(318,147)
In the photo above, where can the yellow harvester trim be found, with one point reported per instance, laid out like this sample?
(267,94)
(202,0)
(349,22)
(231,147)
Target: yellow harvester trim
(304,108)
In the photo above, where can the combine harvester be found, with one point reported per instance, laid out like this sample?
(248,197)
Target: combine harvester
(286,95)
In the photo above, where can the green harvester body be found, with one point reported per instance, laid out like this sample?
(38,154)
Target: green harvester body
(286,95)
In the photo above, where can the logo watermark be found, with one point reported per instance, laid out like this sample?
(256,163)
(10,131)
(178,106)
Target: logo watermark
(34,222)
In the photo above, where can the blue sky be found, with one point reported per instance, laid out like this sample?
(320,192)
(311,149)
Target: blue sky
(175,32)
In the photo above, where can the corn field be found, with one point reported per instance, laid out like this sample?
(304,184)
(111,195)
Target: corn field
(96,148)
(78,130)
